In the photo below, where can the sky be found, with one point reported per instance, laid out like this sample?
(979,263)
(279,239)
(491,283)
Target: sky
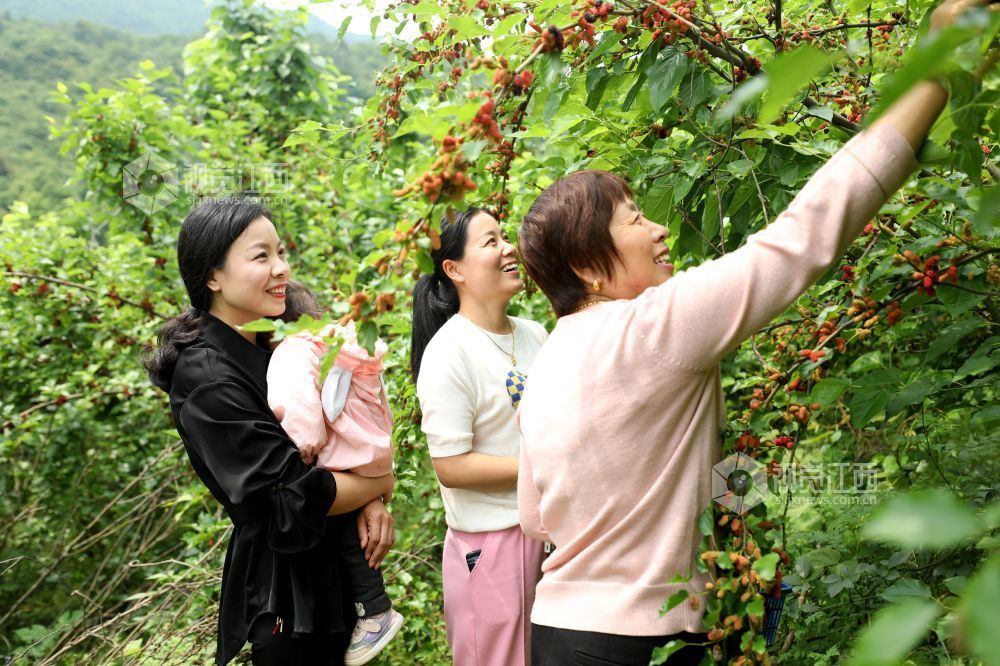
(334,13)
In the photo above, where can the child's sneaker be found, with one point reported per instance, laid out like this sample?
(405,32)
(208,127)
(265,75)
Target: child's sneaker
(371,634)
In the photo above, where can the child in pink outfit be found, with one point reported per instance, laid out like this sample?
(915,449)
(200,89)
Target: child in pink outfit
(343,424)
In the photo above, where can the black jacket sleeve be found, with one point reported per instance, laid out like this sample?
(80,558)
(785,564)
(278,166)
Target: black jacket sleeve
(255,466)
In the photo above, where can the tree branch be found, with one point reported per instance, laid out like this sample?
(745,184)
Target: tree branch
(81,287)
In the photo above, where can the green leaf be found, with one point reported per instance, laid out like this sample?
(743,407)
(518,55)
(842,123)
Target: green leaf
(705,523)
(466,27)
(894,632)
(664,77)
(947,339)
(987,417)
(471,150)
(766,566)
(824,112)
(906,588)
(674,600)
(507,24)
(982,612)
(739,168)
(344,25)
(958,301)
(658,201)
(367,335)
(661,654)
(866,362)
(423,8)
(926,519)
(695,88)
(880,377)
(298,139)
(867,403)
(788,73)
(746,93)
(985,219)
(914,392)
(827,391)
(933,153)
(552,66)
(823,557)
(309,126)
(633,92)
(260,326)
(977,365)
(597,83)
(424,261)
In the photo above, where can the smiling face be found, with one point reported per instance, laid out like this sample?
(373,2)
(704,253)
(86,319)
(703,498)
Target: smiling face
(643,255)
(251,283)
(488,270)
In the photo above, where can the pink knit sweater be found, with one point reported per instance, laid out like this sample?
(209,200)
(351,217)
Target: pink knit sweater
(620,424)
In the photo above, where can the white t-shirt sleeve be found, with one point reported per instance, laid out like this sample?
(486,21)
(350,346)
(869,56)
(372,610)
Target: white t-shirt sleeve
(446,396)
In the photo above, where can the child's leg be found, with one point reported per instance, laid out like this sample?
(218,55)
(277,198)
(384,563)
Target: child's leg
(370,597)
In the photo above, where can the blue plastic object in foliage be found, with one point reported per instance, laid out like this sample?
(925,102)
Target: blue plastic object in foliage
(772,613)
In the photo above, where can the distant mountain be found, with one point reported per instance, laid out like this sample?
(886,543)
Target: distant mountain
(178,17)
(35,54)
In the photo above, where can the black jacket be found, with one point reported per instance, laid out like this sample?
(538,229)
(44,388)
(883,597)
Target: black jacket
(282,558)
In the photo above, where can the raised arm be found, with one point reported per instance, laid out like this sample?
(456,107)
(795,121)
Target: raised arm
(697,317)
(701,314)
(915,113)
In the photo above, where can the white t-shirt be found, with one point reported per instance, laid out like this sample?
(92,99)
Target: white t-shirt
(468,393)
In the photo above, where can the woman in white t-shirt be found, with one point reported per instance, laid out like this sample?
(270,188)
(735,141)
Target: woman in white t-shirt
(471,360)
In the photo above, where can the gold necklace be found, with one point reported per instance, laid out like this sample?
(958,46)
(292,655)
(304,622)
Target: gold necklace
(513,344)
(586,305)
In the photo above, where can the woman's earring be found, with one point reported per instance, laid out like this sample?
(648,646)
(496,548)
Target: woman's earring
(596,285)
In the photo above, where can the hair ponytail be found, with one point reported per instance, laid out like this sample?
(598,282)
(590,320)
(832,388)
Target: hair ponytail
(434,302)
(202,245)
(435,298)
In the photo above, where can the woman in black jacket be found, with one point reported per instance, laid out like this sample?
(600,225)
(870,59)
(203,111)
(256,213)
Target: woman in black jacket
(282,586)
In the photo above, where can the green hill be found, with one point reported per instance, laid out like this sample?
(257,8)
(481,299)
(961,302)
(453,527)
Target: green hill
(180,17)
(35,55)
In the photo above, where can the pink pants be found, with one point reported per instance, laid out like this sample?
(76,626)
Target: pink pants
(487,611)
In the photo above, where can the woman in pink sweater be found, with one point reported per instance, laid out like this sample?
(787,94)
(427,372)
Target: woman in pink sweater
(620,426)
